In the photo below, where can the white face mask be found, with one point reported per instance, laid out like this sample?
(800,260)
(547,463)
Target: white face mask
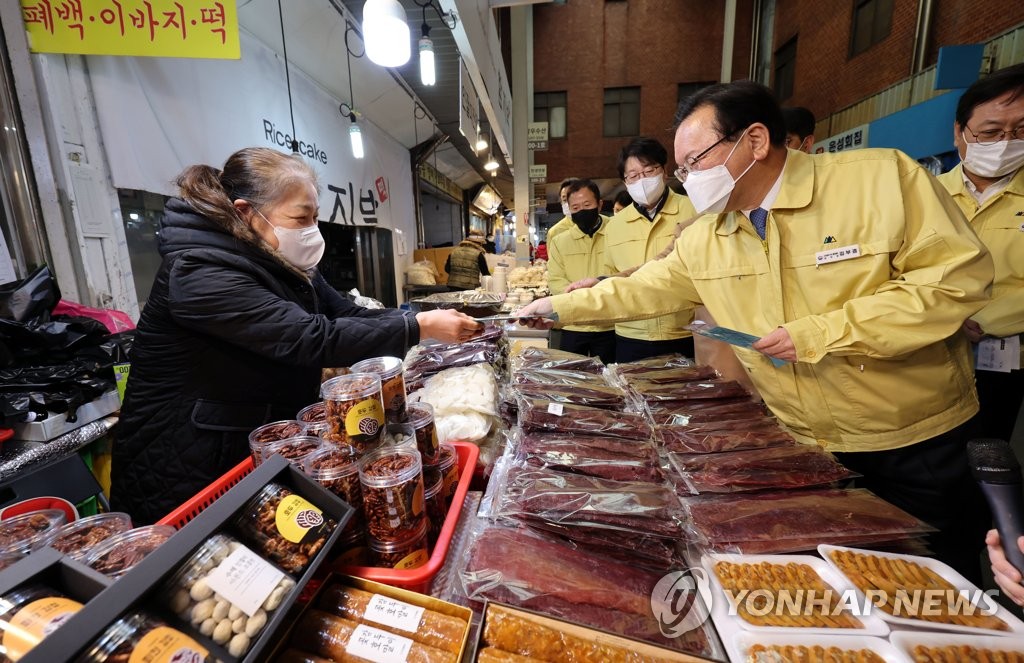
(647,190)
(709,190)
(565,210)
(302,247)
(994,160)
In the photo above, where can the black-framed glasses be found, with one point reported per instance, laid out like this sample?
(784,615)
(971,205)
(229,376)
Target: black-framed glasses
(683,171)
(993,136)
(649,171)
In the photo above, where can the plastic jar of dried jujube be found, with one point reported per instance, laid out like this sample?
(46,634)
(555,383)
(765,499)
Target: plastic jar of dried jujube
(392,384)
(449,467)
(392,480)
(435,503)
(295,449)
(337,470)
(311,413)
(405,554)
(421,416)
(355,411)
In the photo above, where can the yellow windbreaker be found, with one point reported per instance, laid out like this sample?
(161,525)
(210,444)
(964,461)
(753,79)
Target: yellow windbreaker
(630,241)
(882,363)
(572,256)
(1000,225)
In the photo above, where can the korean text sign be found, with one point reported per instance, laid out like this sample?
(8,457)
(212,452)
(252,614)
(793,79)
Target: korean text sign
(158,28)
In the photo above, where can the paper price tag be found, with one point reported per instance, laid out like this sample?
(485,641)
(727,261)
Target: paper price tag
(555,409)
(395,614)
(379,646)
(998,354)
(245,579)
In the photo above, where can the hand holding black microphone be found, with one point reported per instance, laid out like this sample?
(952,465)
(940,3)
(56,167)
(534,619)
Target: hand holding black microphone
(997,471)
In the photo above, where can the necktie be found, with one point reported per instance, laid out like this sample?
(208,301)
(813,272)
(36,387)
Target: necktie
(759,217)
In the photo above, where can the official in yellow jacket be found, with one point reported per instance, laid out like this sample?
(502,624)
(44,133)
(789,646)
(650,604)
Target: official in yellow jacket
(577,254)
(636,235)
(858,270)
(988,186)
(565,223)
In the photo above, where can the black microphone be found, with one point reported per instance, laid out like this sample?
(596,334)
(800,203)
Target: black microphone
(997,471)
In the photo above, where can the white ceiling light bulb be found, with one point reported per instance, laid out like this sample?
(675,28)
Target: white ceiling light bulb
(491,164)
(428,75)
(481,144)
(385,33)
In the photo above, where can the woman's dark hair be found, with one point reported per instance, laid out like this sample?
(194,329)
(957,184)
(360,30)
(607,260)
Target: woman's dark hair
(259,175)
(580,185)
(737,106)
(1006,80)
(647,151)
(623,199)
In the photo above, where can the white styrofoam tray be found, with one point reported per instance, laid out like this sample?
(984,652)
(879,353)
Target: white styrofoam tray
(728,625)
(747,639)
(947,573)
(905,641)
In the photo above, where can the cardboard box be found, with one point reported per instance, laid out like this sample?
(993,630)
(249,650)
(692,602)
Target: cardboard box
(139,588)
(404,595)
(637,647)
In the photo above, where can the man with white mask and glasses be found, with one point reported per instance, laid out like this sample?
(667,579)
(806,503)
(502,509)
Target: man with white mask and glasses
(637,234)
(988,185)
(856,269)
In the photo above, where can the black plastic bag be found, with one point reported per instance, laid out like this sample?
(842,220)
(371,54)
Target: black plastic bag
(29,299)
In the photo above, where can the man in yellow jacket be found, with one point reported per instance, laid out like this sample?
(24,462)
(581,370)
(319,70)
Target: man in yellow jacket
(636,235)
(857,270)
(576,254)
(988,186)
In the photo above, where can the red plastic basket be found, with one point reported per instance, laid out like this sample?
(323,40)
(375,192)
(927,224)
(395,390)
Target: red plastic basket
(418,580)
(414,579)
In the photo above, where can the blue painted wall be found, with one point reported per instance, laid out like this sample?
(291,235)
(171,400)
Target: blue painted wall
(921,130)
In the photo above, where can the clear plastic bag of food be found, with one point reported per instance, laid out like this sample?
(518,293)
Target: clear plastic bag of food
(551,376)
(596,456)
(608,398)
(682,413)
(785,521)
(568,499)
(525,569)
(672,375)
(652,364)
(538,414)
(683,439)
(650,552)
(549,358)
(708,424)
(427,360)
(759,469)
(685,391)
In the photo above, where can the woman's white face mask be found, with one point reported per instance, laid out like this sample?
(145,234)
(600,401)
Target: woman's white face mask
(995,160)
(302,247)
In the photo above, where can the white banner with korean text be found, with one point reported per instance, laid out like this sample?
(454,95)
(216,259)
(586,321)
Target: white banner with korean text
(159,115)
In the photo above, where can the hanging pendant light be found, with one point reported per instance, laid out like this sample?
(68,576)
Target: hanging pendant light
(386,33)
(355,136)
(428,75)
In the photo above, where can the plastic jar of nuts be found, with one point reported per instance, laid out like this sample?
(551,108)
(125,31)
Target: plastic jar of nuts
(392,385)
(140,637)
(337,470)
(355,412)
(286,528)
(29,614)
(315,412)
(120,553)
(400,435)
(294,448)
(449,467)
(421,416)
(270,433)
(437,508)
(406,554)
(392,479)
(319,429)
(76,539)
(227,592)
(24,533)
(352,550)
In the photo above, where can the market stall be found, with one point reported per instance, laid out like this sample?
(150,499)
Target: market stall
(495,502)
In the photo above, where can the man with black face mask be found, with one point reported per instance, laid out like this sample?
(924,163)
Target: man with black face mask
(578,253)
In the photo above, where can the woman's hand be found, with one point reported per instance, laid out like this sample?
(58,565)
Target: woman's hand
(1007,577)
(447,326)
